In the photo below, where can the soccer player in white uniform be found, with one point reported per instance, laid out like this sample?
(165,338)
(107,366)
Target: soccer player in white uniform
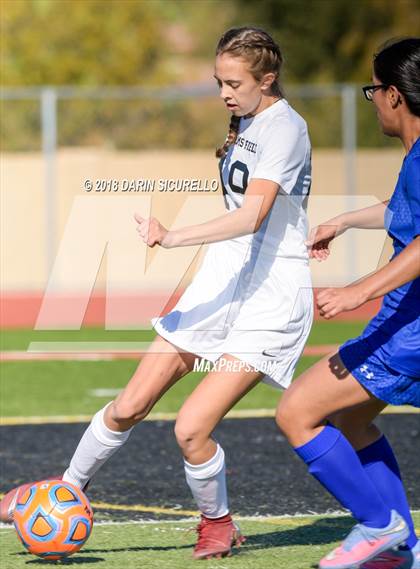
(249,308)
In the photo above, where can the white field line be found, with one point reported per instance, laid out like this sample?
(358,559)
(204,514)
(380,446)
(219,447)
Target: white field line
(279,520)
(105,392)
(107,351)
(235,414)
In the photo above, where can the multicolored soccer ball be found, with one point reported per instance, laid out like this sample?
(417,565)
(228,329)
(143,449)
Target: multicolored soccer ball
(53,519)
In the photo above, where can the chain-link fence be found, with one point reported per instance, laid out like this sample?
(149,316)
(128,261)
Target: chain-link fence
(46,122)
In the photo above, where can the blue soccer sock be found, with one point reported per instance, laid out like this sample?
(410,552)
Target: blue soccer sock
(334,463)
(381,466)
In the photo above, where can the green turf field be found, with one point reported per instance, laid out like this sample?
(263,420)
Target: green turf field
(322,333)
(275,543)
(66,387)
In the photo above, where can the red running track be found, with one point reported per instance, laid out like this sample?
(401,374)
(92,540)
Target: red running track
(20,310)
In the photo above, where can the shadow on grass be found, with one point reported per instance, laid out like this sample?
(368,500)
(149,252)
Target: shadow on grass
(320,532)
(76,560)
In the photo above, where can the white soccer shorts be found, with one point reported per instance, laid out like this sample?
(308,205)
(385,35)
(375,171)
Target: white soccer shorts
(254,306)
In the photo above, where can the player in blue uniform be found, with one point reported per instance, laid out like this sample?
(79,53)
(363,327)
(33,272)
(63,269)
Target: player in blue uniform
(327,414)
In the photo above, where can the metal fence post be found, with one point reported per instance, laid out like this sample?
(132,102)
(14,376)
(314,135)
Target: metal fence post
(49,147)
(349,143)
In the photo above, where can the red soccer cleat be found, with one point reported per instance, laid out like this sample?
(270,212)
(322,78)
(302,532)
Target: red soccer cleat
(216,537)
(8,502)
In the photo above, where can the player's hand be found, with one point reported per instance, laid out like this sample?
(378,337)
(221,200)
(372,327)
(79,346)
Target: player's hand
(151,231)
(320,238)
(332,301)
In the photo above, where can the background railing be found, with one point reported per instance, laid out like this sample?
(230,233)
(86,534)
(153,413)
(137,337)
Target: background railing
(47,120)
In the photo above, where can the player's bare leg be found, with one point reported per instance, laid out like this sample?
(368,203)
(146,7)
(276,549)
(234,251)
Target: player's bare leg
(328,390)
(158,370)
(322,391)
(357,424)
(204,458)
(110,428)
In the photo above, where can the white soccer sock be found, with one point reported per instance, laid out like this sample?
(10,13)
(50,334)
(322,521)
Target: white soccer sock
(207,482)
(96,446)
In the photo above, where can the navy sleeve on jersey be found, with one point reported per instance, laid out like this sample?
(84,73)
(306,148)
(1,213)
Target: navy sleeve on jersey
(413,192)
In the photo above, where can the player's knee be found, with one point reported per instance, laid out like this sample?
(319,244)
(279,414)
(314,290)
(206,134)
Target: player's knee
(288,419)
(282,419)
(125,412)
(187,436)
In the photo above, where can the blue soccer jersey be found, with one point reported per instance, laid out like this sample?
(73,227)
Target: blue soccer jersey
(394,333)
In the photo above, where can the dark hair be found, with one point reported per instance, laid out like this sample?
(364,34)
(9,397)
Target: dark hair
(398,64)
(262,53)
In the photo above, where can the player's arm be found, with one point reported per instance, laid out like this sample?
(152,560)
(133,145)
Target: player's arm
(258,199)
(403,268)
(372,217)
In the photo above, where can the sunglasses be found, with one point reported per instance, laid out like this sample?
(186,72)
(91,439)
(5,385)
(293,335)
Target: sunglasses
(368,90)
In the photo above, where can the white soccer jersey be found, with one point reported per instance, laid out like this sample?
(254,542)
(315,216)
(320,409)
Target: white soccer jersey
(252,296)
(273,145)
